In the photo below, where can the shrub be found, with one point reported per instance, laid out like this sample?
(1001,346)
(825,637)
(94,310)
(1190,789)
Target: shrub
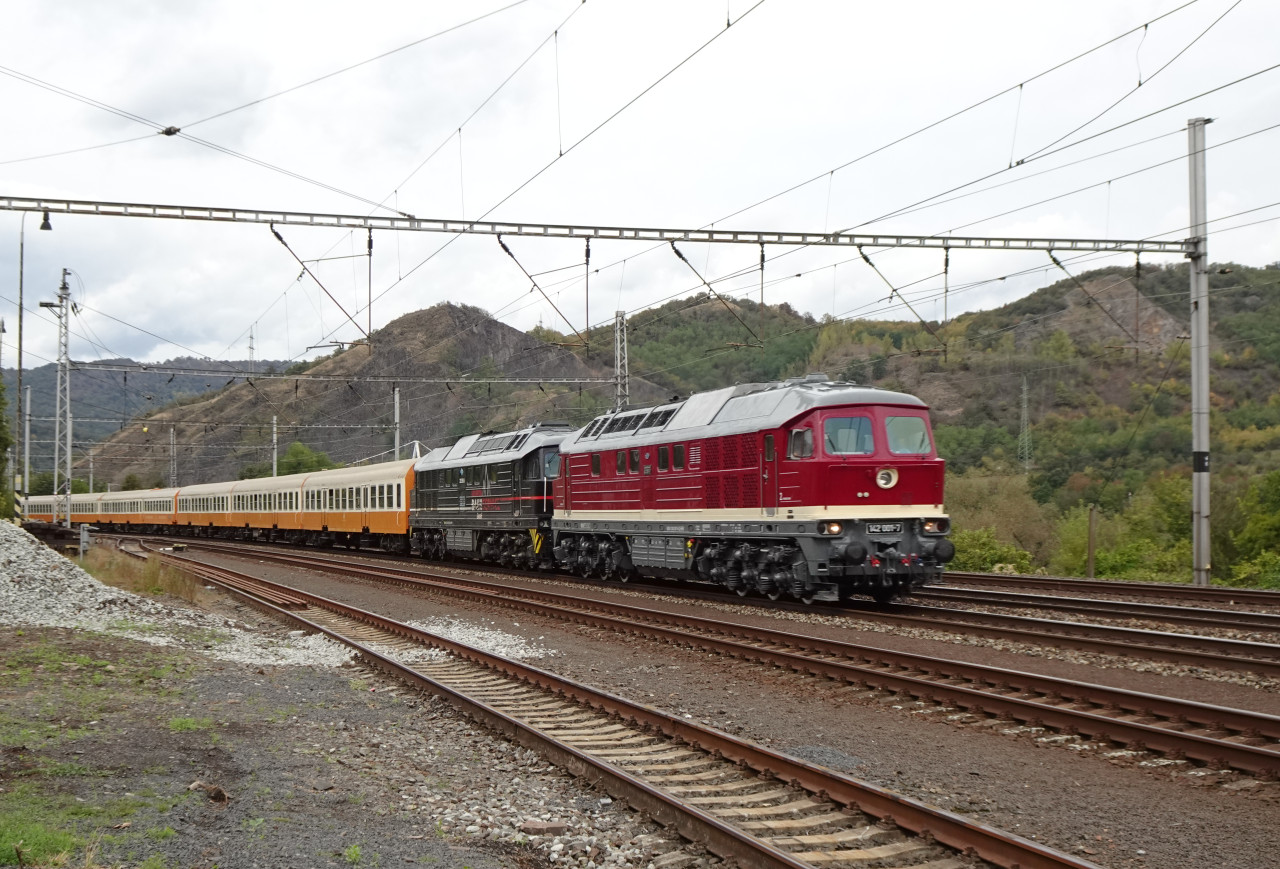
(980,550)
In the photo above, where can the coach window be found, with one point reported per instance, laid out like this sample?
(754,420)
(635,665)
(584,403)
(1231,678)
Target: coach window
(399,504)
(635,461)
(595,464)
(801,443)
(664,458)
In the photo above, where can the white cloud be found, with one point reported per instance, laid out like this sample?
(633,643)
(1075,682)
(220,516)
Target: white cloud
(788,93)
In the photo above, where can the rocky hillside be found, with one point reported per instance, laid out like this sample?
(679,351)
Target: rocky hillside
(331,407)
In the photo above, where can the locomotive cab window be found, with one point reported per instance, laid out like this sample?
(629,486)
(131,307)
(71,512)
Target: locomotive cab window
(800,445)
(848,436)
(908,436)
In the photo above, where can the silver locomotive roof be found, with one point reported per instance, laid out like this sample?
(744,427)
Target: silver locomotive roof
(489,448)
(732,410)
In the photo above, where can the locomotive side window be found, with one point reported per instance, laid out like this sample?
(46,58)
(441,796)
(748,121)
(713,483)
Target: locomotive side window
(595,464)
(768,448)
(622,461)
(635,461)
(801,443)
(908,435)
(679,457)
(848,436)
(664,458)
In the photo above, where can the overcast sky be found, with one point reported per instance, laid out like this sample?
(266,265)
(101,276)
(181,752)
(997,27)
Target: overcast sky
(790,92)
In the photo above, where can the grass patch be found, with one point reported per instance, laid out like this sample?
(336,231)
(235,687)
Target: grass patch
(62,769)
(183,725)
(150,577)
(43,824)
(159,834)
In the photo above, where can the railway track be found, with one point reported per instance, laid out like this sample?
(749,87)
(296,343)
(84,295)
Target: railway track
(1167,646)
(1190,594)
(739,800)
(1214,619)
(1178,729)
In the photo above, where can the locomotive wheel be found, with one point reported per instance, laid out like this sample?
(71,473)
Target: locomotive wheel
(775,594)
(742,590)
(806,598)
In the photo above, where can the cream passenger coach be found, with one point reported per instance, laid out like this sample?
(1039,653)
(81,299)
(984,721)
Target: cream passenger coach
(362,505)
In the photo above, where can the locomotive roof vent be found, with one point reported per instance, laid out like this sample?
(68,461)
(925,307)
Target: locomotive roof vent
(816,377)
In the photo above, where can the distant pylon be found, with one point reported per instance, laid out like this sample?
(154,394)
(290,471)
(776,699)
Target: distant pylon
(621,373)
(1024,432)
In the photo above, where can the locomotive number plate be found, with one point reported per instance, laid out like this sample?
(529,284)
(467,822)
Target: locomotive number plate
(884,527)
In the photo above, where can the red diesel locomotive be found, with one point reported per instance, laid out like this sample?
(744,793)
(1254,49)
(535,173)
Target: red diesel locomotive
(807,488)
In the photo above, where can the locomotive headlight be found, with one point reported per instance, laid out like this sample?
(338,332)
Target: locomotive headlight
(886,478)
(936,526)
(829,528)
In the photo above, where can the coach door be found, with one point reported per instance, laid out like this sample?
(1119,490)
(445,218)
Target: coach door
(769,475)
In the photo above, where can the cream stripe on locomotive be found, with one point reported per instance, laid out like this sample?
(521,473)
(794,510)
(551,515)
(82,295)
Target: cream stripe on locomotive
(755,514)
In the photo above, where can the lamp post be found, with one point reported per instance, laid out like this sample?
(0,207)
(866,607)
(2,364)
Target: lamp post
(22,233)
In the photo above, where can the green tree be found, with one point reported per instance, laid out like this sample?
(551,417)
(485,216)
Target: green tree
(297,459)
(1261,532)
(41,483)
(131,483)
